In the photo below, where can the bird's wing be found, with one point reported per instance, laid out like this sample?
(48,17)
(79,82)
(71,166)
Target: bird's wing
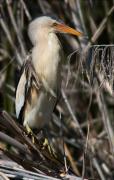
(20,94)
(27,81)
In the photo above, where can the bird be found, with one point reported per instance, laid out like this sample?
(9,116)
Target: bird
(40,80)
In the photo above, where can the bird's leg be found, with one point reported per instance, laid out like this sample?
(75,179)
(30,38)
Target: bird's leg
(29,131)
(50,148)
(47,144)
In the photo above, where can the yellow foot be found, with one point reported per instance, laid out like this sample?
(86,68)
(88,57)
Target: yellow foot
(50,149)
(29,131)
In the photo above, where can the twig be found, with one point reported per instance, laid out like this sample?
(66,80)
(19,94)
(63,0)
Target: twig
(106,119)
(16,29)
(63,145)
(21,173)
(78,3)
(88,130)
(26,10)
(7,32)
(73,163)
(98,168)
(99,30)
(71,112)
(69,68)
(76,20)
(20,133)
(5,68)
(3,176)
(13,142)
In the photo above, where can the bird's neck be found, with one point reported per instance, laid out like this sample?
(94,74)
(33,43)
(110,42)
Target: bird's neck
(46,57)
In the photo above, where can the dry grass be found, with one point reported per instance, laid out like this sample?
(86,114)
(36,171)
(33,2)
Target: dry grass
(82,129)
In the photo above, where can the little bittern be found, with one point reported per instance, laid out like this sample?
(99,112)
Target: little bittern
(40,82)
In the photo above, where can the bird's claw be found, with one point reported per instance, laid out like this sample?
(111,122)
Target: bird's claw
(50,149)
(30,132)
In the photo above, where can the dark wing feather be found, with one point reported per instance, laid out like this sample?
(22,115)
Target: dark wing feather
(28,79)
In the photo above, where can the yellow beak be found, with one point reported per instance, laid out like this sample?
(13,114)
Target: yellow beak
(66,29)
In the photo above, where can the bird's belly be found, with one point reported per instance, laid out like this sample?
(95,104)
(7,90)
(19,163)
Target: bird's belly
(40,114)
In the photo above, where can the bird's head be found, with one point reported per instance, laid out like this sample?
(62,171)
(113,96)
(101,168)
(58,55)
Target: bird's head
(45,25)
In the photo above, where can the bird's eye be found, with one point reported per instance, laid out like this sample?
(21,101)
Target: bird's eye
(54,24)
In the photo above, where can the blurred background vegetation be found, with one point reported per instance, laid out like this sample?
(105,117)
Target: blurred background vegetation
(87,101)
